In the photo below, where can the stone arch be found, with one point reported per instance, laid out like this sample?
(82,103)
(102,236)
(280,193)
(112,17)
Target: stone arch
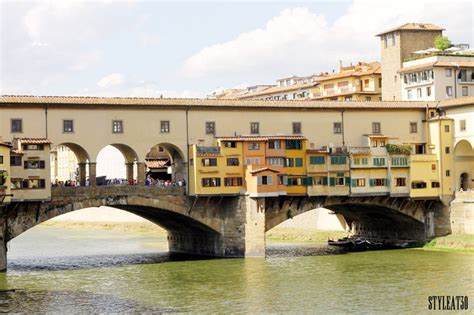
(82,158)
(81,154)
(464,164)
(177,159)
(134,168)
(128,153)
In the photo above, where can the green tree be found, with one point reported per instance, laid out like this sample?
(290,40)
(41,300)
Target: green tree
(442,42)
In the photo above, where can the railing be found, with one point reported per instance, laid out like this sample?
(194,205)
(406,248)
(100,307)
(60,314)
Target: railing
(120,190)
(208,150)
(359,150)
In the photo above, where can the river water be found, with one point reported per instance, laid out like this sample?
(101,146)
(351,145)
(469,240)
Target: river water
(70,271)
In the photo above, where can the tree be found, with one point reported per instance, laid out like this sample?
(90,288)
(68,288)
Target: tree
(442,42)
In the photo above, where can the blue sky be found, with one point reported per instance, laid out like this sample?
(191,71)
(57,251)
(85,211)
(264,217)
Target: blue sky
(188,49)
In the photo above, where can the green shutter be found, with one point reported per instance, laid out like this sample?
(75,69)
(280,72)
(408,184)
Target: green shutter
(332,181)
(371,182)
(299,162)
(387,182)
(348,181)
(325,180)
(354,182)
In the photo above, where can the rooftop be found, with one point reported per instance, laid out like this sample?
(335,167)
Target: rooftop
(262,138)
(357,70)
(457,102)
(34,140)
(413,27)
(184,103)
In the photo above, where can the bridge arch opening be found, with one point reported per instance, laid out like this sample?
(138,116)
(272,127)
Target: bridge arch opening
(165,163)
(70,164)
(118,163)
(464,165)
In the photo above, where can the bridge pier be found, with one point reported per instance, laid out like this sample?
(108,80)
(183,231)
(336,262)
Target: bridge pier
(3,246)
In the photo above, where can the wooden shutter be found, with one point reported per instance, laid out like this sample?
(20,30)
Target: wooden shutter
(332,181)
(348,181)
(24,184)
(325,180)
(354,182)
(41,164)
(42,183)
(371,182)
(25,164)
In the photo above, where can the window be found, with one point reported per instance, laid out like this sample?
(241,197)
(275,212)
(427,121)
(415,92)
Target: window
(296,128)
(276,161)
(274,144)
(376,127)
(418,93)
(248,161)
(117,126)
(16,125)
(337,127)
(34,164)
(210,128)
(209,162)
(16,183)
(230,144)
(446,128)
(34,183)
(379,182)
(1,159)
(317,160)
(232,162)
(33,147)
(380,82)
(386,40)
(400,182)
(340,181)
(264,180)
(413,127)
(338,160)
(399,161)
(254,128)
(359,182)
(462,75)
(446,150)
(382,143)
(365,161)
(379,161)
(448,173)
(211,182)
(293,145)
(462,125)
(293,181)
(428,91)
(165,126)
(254,146)
(449,91)
(256,161)
(418,185)
(409,94)
(15,160)
(374,143)
(299,162)
(68,125)
(233,181)
(449,72)
(290,162)
(368,98)
(318,181)
(434,184)
(465,91)
(356,161)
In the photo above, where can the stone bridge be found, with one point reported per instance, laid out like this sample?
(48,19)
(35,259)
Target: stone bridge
(228,226)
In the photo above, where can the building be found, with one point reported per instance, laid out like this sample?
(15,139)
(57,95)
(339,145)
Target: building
(360,82)
(4,172)
(397,45)
(63,165)
(438,77)
(30,169)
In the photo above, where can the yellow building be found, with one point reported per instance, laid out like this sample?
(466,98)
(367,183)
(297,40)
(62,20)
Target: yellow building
(360,82)
(4,172)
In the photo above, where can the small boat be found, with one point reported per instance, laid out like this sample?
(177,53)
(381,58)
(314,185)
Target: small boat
(341,243)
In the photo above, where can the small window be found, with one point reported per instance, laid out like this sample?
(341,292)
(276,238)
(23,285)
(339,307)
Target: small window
(433,167)
(376,127)
(254,146)
(449,72)
(15,160)
(1,159)
(368,98)
(434,184)
(465,91)
(378,182)
(299,162)
(428,91)
(16,125)
(338,160)
(165,126)
(379,161)
(374,143)
(446,150)
(34,164)
(209,162)
(380,82)
(449,91)
(340,181)
(360,182)
(337,127)
(211,182)
(413,127)
(232,162)
(409,95)
(233,181)
(254,128)
(401,182)
(117,126)
(462,125)
(264,180)
(448,173)
(394,39)
(210,128)
(68,126)
(230,144)
(382,143)
(418,93)
(446,128)
(296,128)
(418,185)
(274,144)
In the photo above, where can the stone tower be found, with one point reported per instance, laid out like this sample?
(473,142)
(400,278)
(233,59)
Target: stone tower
(396,45)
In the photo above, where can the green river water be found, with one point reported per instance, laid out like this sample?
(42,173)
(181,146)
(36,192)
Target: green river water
(68,271)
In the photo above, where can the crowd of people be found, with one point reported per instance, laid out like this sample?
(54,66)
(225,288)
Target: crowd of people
(118,181)
(164,183)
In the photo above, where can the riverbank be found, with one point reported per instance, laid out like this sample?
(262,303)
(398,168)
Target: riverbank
(135,227)
(454,243)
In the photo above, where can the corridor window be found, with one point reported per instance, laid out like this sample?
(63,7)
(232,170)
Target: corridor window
(274,144)
(16,125)
(413,127)
(210,128)
(232,162)
(165,126)
(337,127)
(376,127)
(68,126)
(211,182)
(117,126)
(209,162)
(254,128)
(401,182)
(296,128)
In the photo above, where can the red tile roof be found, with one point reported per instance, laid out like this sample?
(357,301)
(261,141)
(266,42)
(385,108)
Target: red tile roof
(262,138)
(34,140)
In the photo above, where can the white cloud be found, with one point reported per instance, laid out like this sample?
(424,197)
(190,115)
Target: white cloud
(111,80)
(298,41)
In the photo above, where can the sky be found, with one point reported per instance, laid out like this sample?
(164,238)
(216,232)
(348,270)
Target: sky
(189,49)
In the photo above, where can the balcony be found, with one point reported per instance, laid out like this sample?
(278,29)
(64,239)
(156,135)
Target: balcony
(359,150)
(208,150)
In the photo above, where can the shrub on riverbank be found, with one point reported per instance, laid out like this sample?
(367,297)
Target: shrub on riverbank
(280,234)
(453,242)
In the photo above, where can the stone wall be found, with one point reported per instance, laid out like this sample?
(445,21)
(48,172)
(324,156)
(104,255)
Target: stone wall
(462,216)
